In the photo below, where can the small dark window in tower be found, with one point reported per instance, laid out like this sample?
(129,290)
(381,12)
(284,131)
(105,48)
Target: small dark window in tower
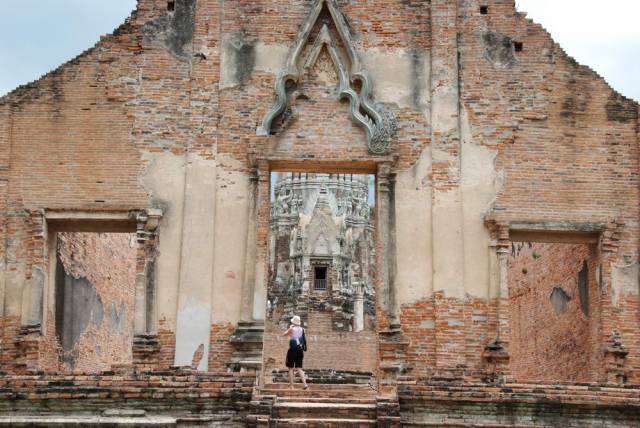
(518,46)
(484,10)
(320,278)
(583,287)
(171,5)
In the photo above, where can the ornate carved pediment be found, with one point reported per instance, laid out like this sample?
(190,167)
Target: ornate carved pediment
(378,123)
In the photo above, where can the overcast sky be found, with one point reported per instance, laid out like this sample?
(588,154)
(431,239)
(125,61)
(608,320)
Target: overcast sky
(38,35)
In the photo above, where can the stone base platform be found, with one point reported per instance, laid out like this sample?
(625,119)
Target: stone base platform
(425,403)
(184,398)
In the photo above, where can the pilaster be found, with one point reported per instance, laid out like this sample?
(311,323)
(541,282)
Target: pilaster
(614,353)
(195,293)
(447,212)
(496,353)
(386,258)
(247,340)
(146,345)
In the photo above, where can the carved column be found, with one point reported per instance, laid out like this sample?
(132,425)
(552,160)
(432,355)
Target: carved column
(28,340)
(613,351)
(504,243)
(145,343)
(248,337)
(615,357)
(496,354)
(144,315)
(392,343)
(261,260)
(386,256)
(358,309)
(246,312)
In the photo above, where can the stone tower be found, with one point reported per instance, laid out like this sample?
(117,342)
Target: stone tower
(321,246)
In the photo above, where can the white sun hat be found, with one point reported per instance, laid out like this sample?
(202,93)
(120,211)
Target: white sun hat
(295,320)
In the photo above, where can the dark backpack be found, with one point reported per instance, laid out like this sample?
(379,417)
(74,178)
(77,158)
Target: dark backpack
(304,342)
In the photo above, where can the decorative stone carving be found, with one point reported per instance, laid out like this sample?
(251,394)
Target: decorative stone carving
(148,221)
(615,360)
(318,234)
(378,123)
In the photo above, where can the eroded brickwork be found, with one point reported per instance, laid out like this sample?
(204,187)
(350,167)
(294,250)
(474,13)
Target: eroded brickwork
(554,321)
(327,349)
(163,113)
(221,350)
(454,336)
(536,405)
(96,286)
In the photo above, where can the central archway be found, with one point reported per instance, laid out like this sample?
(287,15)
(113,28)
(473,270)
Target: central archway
(321,267)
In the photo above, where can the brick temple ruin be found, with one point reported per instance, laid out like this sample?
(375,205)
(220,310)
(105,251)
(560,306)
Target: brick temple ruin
(141,232)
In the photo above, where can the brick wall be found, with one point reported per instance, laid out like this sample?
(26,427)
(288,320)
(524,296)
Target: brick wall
(81,137)
(220,348)
(436,403)
(196,397)
(447,336)
(327,349)
(552,338)
(97,330)
(565,141)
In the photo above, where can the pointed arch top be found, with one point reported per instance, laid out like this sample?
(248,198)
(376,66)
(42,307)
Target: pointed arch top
(378,123)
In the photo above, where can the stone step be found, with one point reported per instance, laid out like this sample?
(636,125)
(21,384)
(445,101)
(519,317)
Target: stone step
(321,423)
(285,385)
(320,390)
(352,400)
(87,421)
(311,409)
(310,394)
(326,376)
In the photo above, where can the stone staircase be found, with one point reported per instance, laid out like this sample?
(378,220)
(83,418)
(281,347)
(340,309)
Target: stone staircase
(322,405)
(327,376)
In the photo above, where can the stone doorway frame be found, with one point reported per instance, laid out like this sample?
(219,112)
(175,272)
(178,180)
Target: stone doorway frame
(248,336)
(605,234)
(36,301)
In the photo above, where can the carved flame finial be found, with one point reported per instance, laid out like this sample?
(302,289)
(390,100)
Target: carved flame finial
(378,123)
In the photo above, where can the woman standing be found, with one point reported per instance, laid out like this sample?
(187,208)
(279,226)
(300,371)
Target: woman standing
(295,354)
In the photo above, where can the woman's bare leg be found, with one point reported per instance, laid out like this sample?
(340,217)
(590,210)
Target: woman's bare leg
(304,378)
(290,378)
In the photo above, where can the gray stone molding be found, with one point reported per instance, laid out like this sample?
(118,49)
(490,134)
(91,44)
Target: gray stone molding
(378,123)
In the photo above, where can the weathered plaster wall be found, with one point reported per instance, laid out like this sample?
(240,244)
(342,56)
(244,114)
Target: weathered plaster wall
(95,279)
(196,263)
(232,224)
(164,113)
(164,176)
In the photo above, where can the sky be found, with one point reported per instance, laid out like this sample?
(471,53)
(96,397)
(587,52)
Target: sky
(38,35)
(603,35)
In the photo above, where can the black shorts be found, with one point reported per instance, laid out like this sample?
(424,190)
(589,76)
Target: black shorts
(295,357)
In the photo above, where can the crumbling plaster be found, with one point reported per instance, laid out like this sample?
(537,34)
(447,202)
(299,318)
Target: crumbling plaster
(16,272)
(164,179)
(231,228)
(413,199)
(239,58)
(480,184)
(624,281)
(196,261)
(441,241)
(401,77)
